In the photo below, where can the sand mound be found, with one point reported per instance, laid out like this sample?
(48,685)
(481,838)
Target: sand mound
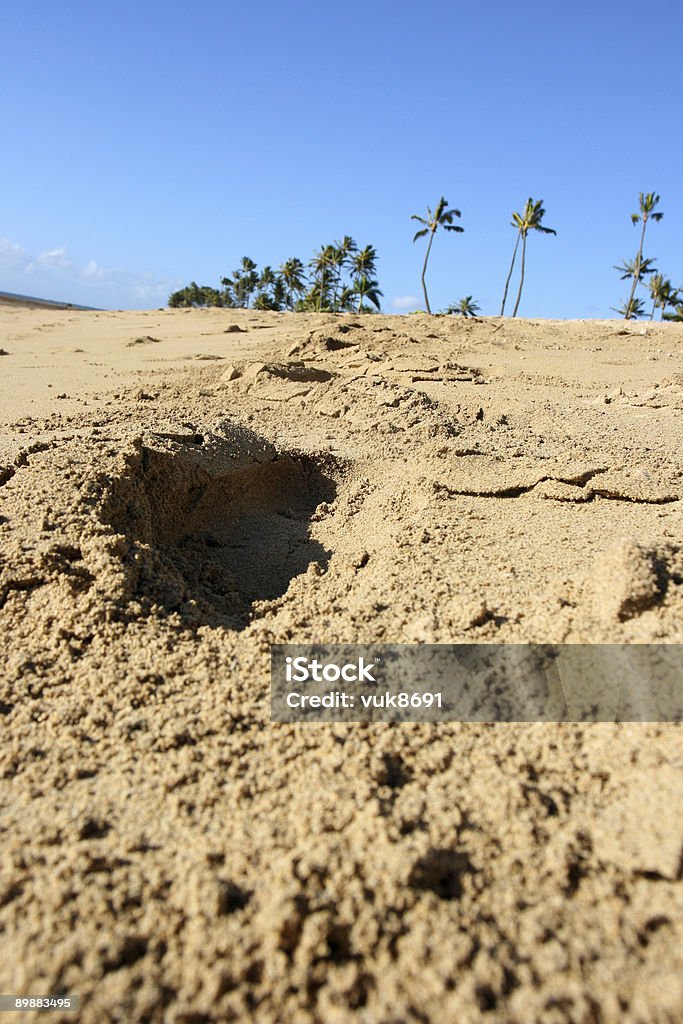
(169,853)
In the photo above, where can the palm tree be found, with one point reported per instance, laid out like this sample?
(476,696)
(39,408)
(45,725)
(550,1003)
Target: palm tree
(676,301)
(343,254)
(243,282)
(271,290)
(464,307)
(322,264)
(661,293)
(647,202)
(363,265)
(279,293)
(529,220)
(364,261)
(442,217)
(345,301)
(629,268)
(293,278)
(631,310)
(633,269)
(267,277)
(366,288)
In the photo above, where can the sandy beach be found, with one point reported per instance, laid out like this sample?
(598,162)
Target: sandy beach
(181,489)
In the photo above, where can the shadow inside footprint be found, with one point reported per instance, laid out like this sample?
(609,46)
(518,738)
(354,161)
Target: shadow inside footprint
(208,536)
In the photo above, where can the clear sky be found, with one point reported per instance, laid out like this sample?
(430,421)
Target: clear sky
(149,144)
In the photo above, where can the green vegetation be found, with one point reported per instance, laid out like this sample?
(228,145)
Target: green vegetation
(442,217)
(661,293)
(341,277)
(676,301)
(529,220)
(630,310)
(363,267)
(647,202)
(640,267)
(466,307)
(293,274)
(196,295)
(635,269)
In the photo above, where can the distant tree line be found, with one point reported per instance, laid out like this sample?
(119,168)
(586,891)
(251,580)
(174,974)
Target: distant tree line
(641,271)
(339,277)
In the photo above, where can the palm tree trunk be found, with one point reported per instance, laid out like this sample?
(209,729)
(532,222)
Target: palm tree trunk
(654,306)
(360,299)
(636,276)
(424,270)
(507,283)
(521,278)
(335,290)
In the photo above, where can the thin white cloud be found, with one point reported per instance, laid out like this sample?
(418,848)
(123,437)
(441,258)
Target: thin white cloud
(54,258)
(12,256)
(92,269)
(405,301)
(7,246)
(155,291)
(55,275)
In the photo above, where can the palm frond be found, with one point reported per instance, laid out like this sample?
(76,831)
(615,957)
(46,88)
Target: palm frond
(441,206)
(636,267)
(630,310)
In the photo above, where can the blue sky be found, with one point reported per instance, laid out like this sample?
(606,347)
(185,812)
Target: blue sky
(147,145)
